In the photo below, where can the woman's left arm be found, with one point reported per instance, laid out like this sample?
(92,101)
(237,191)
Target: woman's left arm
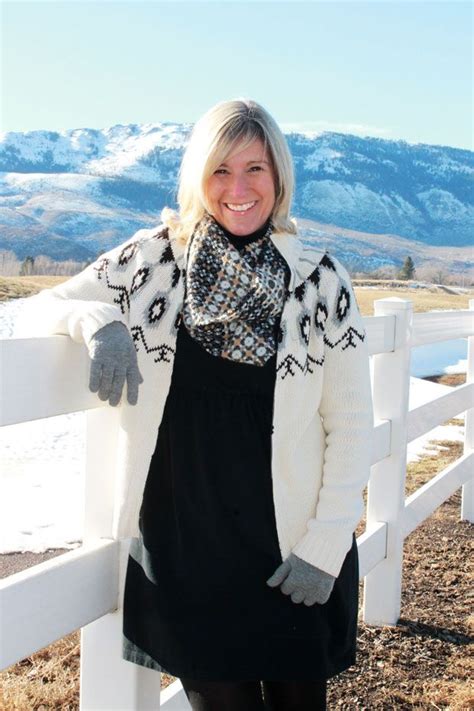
(347,417)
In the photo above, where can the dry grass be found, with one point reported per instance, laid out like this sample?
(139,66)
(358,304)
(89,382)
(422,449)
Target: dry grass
(423,300)
(421,663)
(21,287)
(46,681)
(451,379)
(418,473)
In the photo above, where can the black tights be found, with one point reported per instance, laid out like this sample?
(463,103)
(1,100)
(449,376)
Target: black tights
(247,695)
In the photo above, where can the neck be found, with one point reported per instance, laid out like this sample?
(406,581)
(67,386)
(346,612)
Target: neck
(244,239)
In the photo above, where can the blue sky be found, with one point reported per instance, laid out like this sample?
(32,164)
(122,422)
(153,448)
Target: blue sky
(393,69)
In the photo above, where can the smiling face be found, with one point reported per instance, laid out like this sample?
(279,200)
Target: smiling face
(241,191)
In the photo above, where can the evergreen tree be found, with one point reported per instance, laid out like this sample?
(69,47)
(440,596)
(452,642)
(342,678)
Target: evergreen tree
(408,269)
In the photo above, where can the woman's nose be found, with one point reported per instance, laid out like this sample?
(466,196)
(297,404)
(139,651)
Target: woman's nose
(239,186)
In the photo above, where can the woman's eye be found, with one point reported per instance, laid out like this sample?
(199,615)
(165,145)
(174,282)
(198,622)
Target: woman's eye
(256,167)
(220,171)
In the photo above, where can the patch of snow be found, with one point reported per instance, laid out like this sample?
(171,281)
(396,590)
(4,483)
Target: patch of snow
(327,159)
(334,198)
(36,183)
(422,446)
(42,484)
(422,392)
(443,206)
(116,150)
(442,163)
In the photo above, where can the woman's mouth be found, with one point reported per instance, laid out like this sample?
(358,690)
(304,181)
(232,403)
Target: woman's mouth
(244,207)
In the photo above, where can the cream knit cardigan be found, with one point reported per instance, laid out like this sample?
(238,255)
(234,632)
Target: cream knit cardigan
(322,420)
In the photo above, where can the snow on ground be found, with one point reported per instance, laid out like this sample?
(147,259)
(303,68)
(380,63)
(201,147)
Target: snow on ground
(422,391)
(42,476)
(42,462)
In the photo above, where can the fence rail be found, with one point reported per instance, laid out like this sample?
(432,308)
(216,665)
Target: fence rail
(84,588)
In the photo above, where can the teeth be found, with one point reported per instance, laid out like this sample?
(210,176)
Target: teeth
(241,208)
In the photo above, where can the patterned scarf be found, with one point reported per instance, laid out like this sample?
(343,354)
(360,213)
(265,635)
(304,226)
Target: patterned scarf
(234,298)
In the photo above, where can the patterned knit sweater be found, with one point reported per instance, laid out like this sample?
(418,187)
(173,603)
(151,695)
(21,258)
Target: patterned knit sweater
(323,418)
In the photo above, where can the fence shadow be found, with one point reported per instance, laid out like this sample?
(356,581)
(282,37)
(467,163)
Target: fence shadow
(420,629)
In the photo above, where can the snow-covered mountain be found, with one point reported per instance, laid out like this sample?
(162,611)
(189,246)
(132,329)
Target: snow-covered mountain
(76,193)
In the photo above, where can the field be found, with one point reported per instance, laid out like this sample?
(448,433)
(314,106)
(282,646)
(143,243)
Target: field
(367,290)
(421,663)
(21,287)
(423,299)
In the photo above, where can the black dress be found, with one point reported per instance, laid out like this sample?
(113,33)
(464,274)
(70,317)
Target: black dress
(196,602)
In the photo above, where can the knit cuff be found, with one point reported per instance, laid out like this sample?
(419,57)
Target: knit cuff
(91,320)
(325,550)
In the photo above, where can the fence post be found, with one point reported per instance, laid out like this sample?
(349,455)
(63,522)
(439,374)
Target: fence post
(108,682)
(386,491)
(467,506)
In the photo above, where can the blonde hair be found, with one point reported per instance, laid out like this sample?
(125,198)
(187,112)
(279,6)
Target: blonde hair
(212,140)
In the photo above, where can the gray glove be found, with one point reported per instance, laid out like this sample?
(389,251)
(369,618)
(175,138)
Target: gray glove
(305,583)
(114,359)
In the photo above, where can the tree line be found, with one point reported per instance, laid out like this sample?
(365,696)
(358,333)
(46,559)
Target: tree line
(10,265)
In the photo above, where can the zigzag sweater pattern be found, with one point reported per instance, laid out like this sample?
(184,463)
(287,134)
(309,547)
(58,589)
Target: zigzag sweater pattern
(323,416)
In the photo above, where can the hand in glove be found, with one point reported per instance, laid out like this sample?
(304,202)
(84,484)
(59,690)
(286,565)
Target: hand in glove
(303,581)
(114,359)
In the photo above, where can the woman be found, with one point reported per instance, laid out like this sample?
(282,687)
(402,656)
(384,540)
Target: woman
(244,444)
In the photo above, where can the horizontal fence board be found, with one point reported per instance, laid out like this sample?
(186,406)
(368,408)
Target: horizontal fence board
(435,326)
(425,417)
(48,601)
(55,373)
(428,497)
(43,377)
(372,547)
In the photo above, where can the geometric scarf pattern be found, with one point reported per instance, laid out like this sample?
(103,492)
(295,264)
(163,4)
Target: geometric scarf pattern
(234,297)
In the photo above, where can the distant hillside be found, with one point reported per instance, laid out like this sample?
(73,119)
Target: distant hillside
(366,252)
(74,194)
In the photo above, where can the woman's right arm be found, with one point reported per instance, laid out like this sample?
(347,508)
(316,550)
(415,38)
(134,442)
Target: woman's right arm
(92,308)
(85,303)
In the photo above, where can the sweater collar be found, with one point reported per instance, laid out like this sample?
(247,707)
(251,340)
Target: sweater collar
(240,240)
(302,259)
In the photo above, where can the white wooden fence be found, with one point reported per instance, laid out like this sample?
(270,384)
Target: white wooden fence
(83,588)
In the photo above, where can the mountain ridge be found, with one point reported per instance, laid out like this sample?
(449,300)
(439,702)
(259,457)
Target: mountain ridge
(76,193)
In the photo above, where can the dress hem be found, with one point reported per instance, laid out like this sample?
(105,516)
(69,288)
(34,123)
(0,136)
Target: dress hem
(135,655)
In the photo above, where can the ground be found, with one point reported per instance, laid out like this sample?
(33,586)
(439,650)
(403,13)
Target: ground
(423,662)
(21,287)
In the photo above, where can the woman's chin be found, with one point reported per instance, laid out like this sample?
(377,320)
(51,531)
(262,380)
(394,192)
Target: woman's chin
(242,225)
